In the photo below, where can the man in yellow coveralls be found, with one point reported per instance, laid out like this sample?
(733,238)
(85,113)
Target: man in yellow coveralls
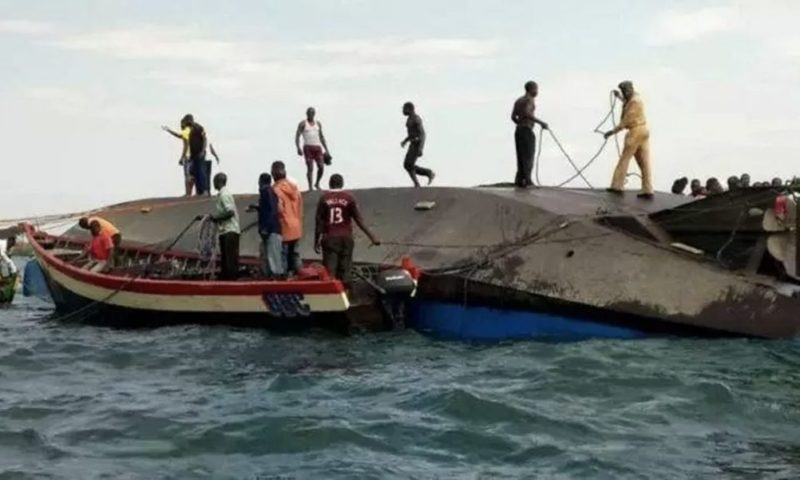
(637,141)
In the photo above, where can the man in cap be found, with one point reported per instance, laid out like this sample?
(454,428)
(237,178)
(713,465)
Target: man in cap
(637,141)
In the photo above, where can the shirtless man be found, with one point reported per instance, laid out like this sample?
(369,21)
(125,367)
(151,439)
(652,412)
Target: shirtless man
(416,144)
(523,115)
(315,148)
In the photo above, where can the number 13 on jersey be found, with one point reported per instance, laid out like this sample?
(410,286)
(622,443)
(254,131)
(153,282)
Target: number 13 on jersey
(336,216)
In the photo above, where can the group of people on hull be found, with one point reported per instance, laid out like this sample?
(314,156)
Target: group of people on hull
(714,187)
(310,143)
(280,226)
(280,206)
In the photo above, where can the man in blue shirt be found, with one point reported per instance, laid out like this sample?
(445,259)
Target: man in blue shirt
(269,227)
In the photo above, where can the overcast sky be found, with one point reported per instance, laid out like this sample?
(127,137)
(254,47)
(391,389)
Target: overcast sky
(86,84)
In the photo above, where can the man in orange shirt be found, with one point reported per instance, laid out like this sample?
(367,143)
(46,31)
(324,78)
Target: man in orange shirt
(290,215)
(107,228)
(99,250)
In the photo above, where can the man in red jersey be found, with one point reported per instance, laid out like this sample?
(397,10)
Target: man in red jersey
(333,236)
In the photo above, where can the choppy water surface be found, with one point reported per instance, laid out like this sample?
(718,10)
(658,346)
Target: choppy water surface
(79,402)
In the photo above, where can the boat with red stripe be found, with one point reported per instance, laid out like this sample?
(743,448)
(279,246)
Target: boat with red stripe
(152,287)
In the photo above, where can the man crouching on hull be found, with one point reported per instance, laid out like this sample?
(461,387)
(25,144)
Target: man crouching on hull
(333,237)
(637,142)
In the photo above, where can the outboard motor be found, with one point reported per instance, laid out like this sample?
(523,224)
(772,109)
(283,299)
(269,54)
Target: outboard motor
(396,286)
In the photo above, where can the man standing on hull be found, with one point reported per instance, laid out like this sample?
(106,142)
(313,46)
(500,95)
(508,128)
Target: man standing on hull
(416,144)
(313,144)
(637,142)
(197,169)
(523,115)
(333,235)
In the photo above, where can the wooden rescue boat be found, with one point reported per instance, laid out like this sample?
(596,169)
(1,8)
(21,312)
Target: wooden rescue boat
(148,287)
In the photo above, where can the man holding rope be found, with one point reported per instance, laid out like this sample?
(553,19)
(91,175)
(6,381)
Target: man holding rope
(637,142)
(226,216)
(524,139)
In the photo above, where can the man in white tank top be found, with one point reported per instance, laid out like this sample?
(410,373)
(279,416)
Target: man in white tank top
(314,148)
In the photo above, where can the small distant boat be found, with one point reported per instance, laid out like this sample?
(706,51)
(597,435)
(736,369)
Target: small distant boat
(150,287)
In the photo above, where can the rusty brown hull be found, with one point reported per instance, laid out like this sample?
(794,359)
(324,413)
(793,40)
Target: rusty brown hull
(571,251)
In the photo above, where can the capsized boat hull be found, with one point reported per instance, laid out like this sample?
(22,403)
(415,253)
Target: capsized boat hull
(560,252)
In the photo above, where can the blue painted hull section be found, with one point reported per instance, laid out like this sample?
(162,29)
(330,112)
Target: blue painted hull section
(34,284)
(453,321)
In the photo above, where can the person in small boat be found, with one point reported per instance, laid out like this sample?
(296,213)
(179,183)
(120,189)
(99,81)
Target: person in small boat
(315,148)
(637,141)
(680,185)
(269,228)
(226,217)
(108,228)
(7,266)
(290,214)
(523,116)
(333,235)
(8,273)
(734,183)
(415,139)
(99,250)
(195,144)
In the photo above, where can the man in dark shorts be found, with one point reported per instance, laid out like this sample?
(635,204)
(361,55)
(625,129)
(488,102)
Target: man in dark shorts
(523,115)
(333,236)
(416,144)
(315,148)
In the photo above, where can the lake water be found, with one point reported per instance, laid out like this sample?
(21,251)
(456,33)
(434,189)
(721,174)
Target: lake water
(80,402)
